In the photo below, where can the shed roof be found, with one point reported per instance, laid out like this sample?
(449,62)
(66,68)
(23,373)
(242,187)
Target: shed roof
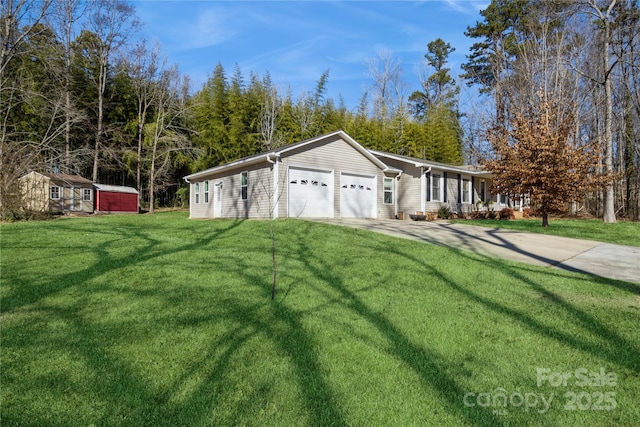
(115,188)
(66,178)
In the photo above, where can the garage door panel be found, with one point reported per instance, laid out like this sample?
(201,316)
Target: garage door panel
(357,196)
(310,194)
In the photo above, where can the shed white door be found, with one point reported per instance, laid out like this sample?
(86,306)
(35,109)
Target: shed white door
(357,196)
(310,193)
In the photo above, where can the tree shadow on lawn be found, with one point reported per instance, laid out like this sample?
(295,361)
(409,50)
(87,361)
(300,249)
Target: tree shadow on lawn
(421,232)
(114,378)
(24,293)
(427,364)
(288,334)
(616,349)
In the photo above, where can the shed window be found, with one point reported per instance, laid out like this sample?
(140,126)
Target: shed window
(244,185)
(54,192)
(86,195)
(206,191)
(388,191)
(197,192)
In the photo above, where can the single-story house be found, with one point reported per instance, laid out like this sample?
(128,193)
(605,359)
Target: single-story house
(424,186)
(56,192)
(116,199)
(332,176)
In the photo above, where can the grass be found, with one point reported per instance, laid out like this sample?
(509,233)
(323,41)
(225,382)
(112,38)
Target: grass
(157,320)
(621,233)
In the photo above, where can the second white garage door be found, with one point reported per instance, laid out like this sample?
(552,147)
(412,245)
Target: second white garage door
(357,196)
(310,193)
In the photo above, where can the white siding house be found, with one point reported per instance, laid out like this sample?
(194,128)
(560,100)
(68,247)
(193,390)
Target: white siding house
(332,176)
(329,176)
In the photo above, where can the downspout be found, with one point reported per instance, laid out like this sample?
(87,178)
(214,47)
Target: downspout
(423,187)
(395,195)
(274,202)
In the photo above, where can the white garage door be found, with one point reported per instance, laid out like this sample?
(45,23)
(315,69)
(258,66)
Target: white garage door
(357,196)
(310,193)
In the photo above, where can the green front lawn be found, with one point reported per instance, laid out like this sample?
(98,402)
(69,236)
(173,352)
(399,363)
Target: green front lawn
(158,320)
(620,233)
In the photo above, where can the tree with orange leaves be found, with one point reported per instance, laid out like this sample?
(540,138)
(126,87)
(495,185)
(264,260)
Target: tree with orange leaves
(541,155)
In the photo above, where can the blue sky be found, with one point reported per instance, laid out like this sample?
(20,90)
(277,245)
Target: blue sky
(296,41)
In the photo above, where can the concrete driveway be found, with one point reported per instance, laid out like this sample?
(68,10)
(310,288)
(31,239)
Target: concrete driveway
(602,259)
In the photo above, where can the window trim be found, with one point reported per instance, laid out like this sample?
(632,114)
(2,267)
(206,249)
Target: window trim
(206,191)
(466,193)
(439,178)
(86,191)
(244,185)
(57,190)
(389,192)
(196,192)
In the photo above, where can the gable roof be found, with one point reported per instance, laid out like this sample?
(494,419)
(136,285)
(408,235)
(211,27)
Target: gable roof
(269,156)
(63,178)
(115,188)
(471,170)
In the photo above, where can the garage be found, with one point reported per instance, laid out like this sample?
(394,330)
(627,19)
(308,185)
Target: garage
(310,193)
(357,196)
(115,199)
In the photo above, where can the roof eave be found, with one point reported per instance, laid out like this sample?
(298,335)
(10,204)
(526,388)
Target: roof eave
(430,164)
(262,157)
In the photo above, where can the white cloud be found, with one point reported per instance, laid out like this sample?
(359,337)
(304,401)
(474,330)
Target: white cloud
(468,7)
(212,26)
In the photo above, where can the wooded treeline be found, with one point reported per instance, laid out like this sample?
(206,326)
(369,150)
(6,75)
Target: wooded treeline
(580,57)
(80,94)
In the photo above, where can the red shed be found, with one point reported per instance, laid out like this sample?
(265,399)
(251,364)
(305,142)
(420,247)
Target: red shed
(116,198)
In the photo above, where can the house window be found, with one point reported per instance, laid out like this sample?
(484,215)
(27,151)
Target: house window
(197,192)
(206,191)
(466,191)
(86,195)
(244,185)
(388,191)
(483,191)
(54,192)
(436,188)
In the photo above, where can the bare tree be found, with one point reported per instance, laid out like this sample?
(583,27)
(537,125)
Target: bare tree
(269,118)
(388,84)
(304,114)
(21,149)
(113,22)
(66,15)
(165,134)
(603,14)
(143,67)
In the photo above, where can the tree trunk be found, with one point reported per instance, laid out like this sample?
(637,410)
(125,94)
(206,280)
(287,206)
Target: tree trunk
(152,175)
(102,84)
(609,196)
(273,257)
(139,159)
(545,220)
